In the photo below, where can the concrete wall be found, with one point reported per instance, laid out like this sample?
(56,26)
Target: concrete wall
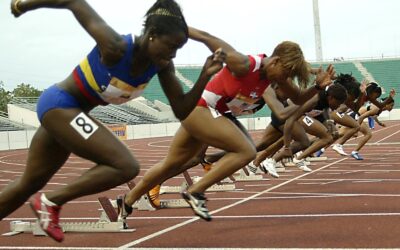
(22,139)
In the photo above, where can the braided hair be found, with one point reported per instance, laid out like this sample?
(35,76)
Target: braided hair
(351,85)
(165,17)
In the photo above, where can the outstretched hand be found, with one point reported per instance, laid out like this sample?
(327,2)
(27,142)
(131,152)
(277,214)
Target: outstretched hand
(392,93)
(324,78)
(215,62)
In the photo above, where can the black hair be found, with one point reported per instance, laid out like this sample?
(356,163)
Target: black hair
(350,83)
(373,87)
(165,17)
(338,92)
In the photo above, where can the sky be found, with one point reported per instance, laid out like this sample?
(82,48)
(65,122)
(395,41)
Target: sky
(42,47)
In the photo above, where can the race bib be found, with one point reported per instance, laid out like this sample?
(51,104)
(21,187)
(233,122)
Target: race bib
(340,115)
(241,104)
(118,92)
(84,125)
(308,121)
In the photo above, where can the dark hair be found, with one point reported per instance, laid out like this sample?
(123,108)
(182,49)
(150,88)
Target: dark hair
(338,92)
(350,83)
(165,17)
(373,87)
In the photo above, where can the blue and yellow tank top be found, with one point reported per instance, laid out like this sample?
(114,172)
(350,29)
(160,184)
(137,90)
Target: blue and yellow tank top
(102,85)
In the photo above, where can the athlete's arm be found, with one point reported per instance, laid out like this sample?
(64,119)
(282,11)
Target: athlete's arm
(111,45)
(183,103)
(280,111)
(374,110)
(287,130)
(237,63)
(298,96)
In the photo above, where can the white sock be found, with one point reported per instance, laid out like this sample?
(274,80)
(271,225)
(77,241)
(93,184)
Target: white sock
(47,201)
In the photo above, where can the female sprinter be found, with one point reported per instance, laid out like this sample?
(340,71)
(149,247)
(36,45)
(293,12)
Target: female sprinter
(115,71)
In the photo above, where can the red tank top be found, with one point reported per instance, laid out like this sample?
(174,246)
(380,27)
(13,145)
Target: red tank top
(228,93)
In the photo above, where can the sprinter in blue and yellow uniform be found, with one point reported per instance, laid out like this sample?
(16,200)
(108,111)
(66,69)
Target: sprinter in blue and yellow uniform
(115,71)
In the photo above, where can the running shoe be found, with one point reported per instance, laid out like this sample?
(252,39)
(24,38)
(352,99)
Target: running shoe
(252,168)
(339,149)
(320,152)
(303,166)
(295,160)
(48,217)
(198,203)
(356,155)
(124,210)
(269,167)
(206,165)
(154,197)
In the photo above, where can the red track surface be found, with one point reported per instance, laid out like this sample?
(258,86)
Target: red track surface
(343,203)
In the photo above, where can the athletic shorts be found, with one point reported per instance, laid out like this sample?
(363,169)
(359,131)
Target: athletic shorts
(320,118)
(233,119)
(52,98)
(276,123)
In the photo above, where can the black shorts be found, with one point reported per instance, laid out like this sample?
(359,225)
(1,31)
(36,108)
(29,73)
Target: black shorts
(276,123)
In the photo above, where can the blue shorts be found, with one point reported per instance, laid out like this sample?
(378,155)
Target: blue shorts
(54,97)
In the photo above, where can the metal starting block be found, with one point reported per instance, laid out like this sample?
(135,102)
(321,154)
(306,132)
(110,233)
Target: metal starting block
(322,158)
(218,187)
(244,175)
(143,204)
(107,223)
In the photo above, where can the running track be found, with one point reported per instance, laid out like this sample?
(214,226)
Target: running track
(343,203)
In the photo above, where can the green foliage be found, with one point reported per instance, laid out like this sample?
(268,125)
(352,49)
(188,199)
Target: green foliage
(5,97)
(25,90)
(22,90)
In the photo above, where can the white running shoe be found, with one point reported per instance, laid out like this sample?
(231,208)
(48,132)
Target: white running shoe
(339,149)
(295,160)
(269,166)
(302,166)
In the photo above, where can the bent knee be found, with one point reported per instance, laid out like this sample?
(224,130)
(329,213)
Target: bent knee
(129,167)
(304,144)
(250,153)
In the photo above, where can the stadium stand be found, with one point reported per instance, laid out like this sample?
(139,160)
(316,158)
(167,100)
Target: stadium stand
(385,72)
(8,125)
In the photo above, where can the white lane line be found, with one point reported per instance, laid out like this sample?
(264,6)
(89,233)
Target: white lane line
(331,182)
(166,230)
(387,137)
(367,181)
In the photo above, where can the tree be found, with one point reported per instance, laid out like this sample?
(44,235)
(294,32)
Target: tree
(25,90)
(5,97)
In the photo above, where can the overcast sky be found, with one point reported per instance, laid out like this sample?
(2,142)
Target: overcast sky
(43,46)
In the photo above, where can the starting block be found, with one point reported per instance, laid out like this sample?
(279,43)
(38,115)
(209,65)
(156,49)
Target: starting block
(313,159)
(225,185)
(107,223)
(143,204)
